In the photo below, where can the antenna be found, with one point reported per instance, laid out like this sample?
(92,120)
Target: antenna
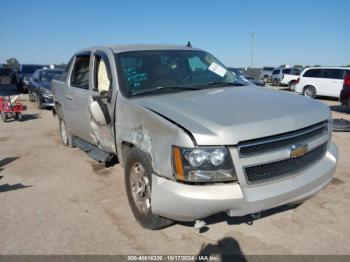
(189,44)
(252,47)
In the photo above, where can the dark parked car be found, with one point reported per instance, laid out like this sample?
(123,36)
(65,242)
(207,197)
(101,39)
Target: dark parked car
(245,78)
(39,87)
(8,76)
(24,74)
(345,92)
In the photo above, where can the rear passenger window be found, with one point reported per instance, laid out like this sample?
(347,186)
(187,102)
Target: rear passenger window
(312,73)
(333,73)
(80,73)
(276,72)
(286,71)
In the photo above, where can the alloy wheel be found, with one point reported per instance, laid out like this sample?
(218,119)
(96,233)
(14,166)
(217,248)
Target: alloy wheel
(140,187)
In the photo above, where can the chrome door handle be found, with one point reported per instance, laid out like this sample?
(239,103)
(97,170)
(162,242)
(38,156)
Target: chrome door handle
(69,97)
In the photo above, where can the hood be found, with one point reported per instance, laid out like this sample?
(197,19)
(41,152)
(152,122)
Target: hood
(226,116)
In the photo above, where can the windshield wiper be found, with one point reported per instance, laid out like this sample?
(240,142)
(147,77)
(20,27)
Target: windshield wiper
(155,90)
(225,83)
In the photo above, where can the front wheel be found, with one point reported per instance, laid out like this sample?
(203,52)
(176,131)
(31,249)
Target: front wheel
(310,91)
(138,183)
(30,96)
(38,100)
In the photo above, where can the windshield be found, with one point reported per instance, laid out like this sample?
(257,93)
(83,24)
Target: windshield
(171,70)
(30,69)
(47,76)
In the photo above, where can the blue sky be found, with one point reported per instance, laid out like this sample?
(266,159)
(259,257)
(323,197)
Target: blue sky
(287,32)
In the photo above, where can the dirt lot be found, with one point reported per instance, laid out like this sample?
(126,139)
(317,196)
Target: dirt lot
(56,200)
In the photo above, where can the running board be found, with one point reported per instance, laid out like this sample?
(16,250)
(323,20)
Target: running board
(94,152)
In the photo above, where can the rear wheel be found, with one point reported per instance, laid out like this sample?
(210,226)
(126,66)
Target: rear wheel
(266,79)
(138,183)
(291,85)
(18,117)
(310,91)
(66,136)
(275,82)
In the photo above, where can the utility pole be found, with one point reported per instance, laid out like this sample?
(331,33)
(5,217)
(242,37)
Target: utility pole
(252,46)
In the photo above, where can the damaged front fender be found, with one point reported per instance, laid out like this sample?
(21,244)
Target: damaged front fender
(150,132)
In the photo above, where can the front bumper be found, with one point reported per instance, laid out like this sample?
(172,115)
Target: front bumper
(47,100)
(183,202)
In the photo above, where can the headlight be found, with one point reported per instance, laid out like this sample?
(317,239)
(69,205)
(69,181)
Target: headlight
(203,164)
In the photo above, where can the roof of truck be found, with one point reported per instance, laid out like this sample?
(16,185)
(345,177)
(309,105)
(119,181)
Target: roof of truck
(141,47)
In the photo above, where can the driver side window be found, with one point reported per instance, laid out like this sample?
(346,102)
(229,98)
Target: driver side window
(102,75)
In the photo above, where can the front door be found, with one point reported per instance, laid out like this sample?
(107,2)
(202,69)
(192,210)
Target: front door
(78,98)
(102,90)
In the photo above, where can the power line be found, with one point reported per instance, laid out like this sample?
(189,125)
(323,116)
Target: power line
(252,47)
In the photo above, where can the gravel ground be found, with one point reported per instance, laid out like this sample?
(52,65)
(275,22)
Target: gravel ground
(56,200)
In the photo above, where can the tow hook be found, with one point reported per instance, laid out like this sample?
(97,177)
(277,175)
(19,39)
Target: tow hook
(256,215)
(199,224)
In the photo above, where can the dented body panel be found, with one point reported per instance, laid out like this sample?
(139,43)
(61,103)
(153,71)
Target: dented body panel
(150,132)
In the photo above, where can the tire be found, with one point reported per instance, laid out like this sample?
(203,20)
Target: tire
(38,101)
(266,79)
(19,88)
(310,91)
(18,117)
(66,136)
(138,177)
(30,96)
(3,116)
(291,85)
(275,82)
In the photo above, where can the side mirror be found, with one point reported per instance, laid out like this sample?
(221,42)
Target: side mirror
(99,112)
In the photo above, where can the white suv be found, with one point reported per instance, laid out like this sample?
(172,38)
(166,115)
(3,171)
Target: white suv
(285,76)
(323,81)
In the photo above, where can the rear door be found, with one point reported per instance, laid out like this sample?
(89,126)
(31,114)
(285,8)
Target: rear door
(77,98)
(332,81)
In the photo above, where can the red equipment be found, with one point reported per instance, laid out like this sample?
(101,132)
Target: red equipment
(11,108)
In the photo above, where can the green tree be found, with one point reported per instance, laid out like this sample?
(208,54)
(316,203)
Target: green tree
(13,63)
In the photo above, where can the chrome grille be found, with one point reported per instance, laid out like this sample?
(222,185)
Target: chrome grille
(286,167)
(273,143)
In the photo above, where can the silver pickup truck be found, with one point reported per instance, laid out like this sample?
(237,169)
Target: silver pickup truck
(193,139)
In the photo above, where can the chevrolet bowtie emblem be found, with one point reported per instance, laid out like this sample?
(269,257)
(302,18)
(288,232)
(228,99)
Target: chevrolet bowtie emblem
(298,150)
